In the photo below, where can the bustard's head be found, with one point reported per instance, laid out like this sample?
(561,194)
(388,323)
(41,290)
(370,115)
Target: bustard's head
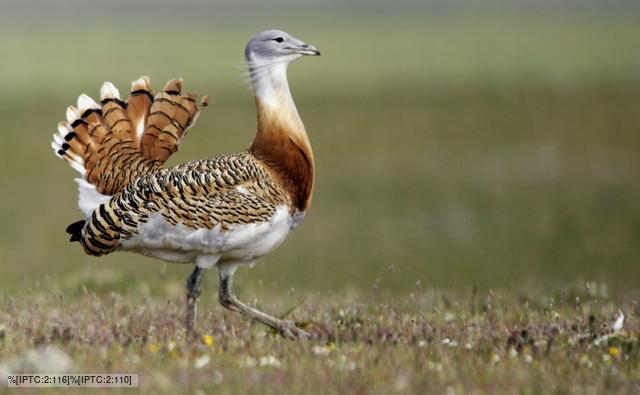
(276,46)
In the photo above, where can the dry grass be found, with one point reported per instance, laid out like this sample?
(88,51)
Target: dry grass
(427,342)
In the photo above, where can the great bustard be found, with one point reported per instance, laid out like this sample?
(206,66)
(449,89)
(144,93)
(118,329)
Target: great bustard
(220,212)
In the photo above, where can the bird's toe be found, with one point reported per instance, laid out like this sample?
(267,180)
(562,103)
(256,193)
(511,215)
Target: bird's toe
(291,331)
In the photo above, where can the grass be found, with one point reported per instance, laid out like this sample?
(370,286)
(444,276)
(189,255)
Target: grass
(430,342)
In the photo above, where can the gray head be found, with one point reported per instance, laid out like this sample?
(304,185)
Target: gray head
(276,46)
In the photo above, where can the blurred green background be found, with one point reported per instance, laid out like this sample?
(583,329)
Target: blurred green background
(456,144)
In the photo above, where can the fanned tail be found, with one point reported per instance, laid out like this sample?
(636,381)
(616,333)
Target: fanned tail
(112,143)
(170,117)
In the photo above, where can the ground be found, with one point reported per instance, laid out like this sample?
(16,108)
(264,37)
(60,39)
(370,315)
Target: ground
(427,342)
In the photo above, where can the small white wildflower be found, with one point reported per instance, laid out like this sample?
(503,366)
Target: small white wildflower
(321,351)
(422,343)
(619,323)
(606,358)
(202,361)
(270,360)
(601,340)
(513,353)
(48,359)
(528,358)
(449,316)
(448,342)
(495,358)
(468,345)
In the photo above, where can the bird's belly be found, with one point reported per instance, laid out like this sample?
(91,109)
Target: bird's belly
(240,243)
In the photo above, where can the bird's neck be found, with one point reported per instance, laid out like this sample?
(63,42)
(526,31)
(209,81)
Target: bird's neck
(281,140)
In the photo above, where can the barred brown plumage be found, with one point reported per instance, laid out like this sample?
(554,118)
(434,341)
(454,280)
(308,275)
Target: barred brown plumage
(198,195)
(223,211)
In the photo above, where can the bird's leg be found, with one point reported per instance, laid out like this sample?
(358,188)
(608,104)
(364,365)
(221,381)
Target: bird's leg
(231,302)
(193,293)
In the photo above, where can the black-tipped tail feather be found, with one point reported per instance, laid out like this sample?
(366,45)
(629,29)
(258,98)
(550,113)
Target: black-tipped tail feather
(75,230)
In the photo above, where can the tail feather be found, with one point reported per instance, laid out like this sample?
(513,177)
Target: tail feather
(114,112)
(87,106)
(75,230)
(112,143)
(163,111)
(171,115)
(139,105)
(68,147)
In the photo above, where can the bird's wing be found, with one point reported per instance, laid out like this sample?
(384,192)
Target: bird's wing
(171,204)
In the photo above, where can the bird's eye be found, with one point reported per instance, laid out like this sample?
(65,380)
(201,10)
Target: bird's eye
(278,39)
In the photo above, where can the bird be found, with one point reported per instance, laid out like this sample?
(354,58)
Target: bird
(223,212)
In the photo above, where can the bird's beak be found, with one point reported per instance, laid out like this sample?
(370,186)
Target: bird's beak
(307,49)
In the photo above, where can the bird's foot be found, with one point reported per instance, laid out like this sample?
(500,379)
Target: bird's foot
(293,332)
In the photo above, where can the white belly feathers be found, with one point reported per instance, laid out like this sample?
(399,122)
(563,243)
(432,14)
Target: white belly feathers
(240,243)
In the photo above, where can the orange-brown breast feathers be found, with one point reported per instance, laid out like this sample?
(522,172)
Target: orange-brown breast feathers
(282,144)
(115,142)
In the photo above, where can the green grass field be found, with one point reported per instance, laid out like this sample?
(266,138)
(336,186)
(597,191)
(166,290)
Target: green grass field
(455,149)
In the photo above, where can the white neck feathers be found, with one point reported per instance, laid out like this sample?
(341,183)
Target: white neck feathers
(271,88)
